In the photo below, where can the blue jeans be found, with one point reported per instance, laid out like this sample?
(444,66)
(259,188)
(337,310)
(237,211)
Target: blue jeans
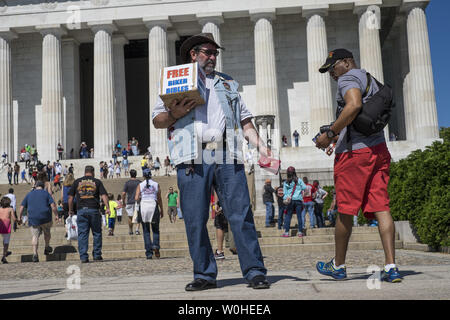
(269,213)
(154,226)
(89,219)
(111,223)
(318,208)
(280,216)
(332,217)
(296,205)
(308,206)
(231,186)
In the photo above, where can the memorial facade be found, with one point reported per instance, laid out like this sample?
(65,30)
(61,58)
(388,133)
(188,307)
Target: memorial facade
(73,71)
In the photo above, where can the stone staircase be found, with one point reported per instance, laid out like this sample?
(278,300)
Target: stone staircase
(114,186)
(174,243)
(173,236)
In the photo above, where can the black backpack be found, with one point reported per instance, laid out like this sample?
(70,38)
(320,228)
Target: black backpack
(376,112)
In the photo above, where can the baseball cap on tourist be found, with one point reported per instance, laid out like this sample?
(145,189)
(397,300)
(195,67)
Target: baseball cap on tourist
(333,57)
(191,42)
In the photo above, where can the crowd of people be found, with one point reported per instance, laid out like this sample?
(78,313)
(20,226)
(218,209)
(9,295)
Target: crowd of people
(86,197)
(297,196)
(29,153)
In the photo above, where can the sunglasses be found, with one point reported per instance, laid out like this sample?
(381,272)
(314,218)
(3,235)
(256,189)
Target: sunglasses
(334,65)
(209,52)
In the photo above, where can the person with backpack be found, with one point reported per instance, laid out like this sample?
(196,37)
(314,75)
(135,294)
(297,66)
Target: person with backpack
(361,166)
(293,200)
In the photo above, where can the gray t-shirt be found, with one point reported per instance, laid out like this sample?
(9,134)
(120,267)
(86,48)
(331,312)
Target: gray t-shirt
(356,78)
(319,194)
(130,188)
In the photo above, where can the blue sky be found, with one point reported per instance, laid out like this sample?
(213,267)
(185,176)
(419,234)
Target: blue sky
(438,28)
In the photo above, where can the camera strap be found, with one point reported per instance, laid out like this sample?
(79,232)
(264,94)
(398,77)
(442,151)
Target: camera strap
(366,92)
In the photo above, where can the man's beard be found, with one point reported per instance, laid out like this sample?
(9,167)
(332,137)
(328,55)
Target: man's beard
(209,66)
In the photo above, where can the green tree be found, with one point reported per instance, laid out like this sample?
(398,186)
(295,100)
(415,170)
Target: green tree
(419,191)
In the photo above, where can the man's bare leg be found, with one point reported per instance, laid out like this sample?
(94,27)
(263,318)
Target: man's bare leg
(343,231)
(220,235)
(130,224)
(35,244)
(386,228)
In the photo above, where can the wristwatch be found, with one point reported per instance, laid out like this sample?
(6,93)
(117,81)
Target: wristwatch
(331,134)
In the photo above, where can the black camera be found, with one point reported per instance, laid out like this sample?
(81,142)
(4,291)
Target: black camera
(326,128)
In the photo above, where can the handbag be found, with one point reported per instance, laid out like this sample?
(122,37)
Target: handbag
(135,214)
(72,228)
(288,200)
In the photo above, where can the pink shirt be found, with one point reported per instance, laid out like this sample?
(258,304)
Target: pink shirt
(5,221)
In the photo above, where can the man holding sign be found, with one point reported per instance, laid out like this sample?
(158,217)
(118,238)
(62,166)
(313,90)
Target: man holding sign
(205,143)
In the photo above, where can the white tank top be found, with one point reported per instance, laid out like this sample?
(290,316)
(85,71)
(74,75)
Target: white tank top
(149,193)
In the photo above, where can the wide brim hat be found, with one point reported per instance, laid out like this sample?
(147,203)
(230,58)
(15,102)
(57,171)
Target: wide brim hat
(333,57)
(191,42)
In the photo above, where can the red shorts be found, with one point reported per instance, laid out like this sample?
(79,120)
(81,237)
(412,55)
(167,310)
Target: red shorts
(361,179)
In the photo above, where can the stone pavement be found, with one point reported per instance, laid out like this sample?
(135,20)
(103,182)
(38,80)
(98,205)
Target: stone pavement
(293,276)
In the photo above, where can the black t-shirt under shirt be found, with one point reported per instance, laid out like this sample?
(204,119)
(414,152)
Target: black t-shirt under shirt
(87,191)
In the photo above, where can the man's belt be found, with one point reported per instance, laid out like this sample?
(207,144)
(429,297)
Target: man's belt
(213,145)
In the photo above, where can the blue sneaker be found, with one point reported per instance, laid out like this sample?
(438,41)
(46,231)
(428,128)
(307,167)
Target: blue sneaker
(328,269)
(392,275)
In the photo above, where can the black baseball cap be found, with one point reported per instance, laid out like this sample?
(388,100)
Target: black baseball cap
(334,56)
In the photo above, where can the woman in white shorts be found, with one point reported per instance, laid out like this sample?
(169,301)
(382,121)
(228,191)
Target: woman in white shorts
(149,194)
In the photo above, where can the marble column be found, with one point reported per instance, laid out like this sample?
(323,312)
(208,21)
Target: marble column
(71,99)
(157,59)
(6,103)
(421,72)
(408,104)
(265,68)
(120,88)
(172,38)
(369,40)
(52,93)
(210,23)
(321,102)
(104,98)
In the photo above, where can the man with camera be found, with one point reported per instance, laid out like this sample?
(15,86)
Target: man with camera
(361,167)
